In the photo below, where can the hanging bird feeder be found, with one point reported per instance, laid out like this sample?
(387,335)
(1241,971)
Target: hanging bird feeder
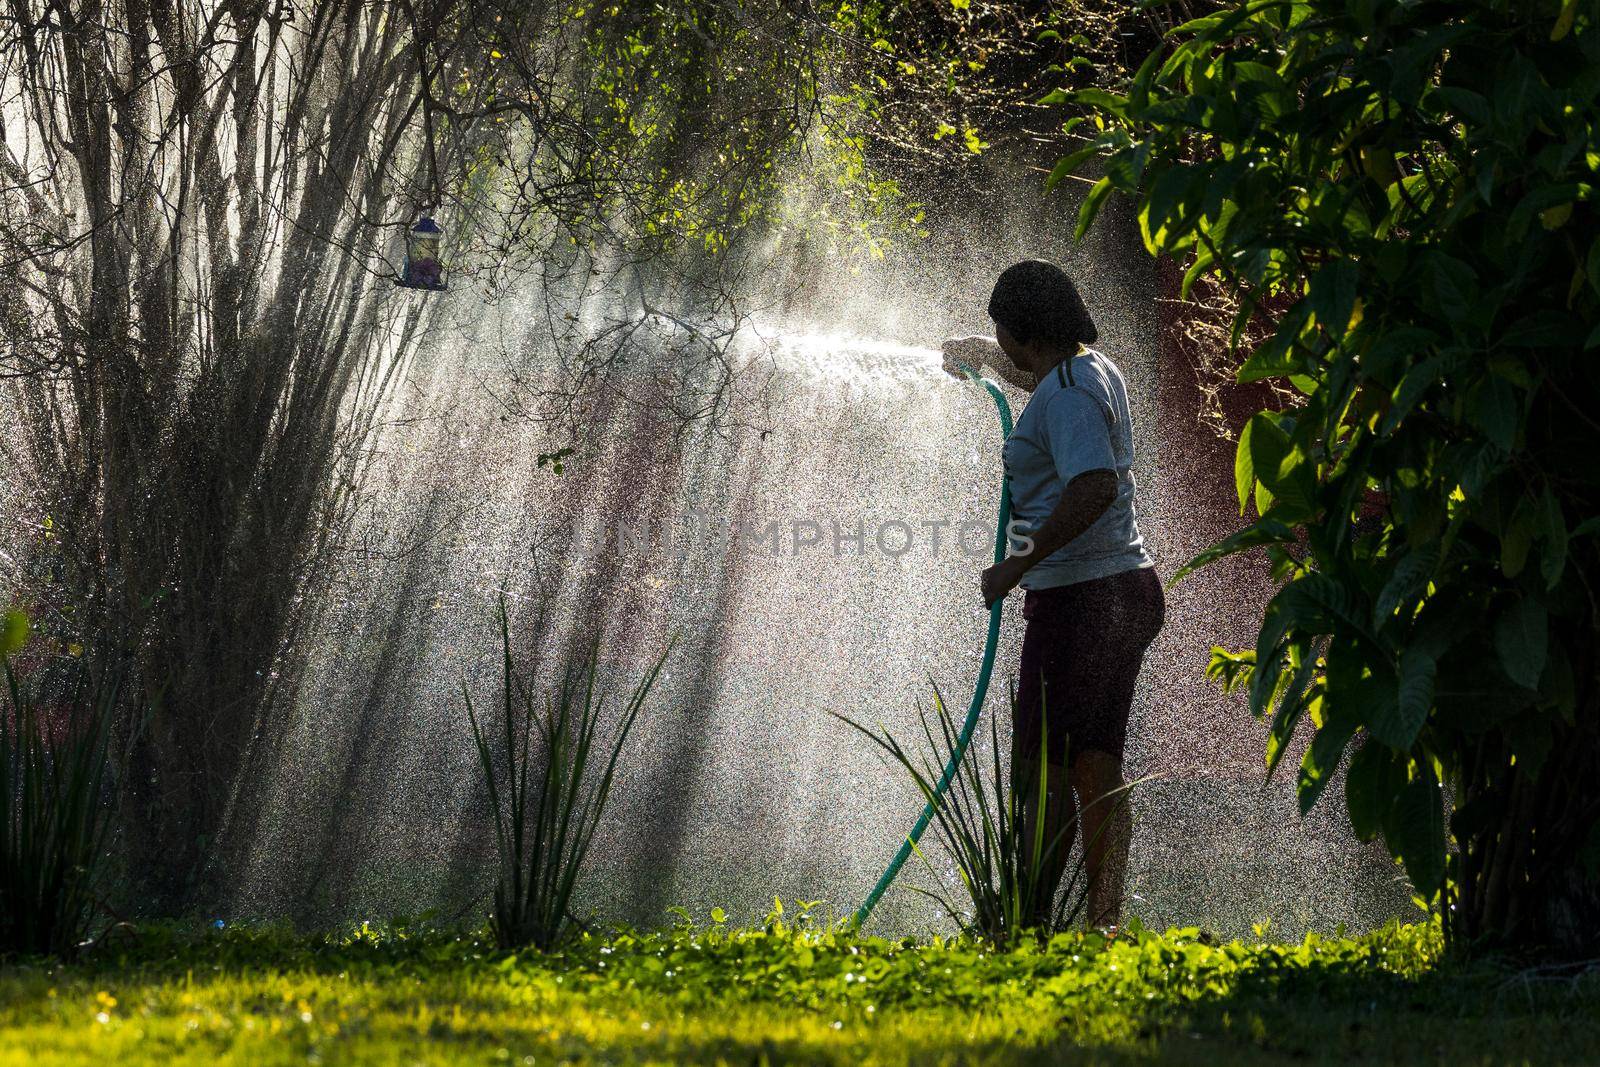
(423,269)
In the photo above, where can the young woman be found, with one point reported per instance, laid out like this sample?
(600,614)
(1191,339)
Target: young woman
(1092,601)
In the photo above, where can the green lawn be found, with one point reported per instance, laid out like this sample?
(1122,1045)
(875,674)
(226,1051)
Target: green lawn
(401,995)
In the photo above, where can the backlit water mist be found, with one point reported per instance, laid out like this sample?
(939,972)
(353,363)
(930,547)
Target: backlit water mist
(798,569)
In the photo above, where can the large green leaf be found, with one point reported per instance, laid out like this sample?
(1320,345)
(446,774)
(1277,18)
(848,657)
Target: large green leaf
(1413,386)
(1292,487)
(1277,356)
(1295,696)
(1244,465)
(1415,832)
(1262,532)
(1068,164)
(1522,639)
(1544,329)
(1312,604)
(1276,465)
(1406,582)
(1543,199)
(1553,561)
(1496,412)
(1318,603)
(1371,787)
(1091,205)
(1464,103)
(1322,758)
(1454,285)
(1396,347)
(1333,295)
(1167,198)
(1515,542)
(1413,699)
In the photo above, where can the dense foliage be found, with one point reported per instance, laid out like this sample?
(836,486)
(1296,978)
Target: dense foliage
(1407,190)
(782,992)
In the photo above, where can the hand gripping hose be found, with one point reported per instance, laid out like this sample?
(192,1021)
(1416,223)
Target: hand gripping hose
(984,673)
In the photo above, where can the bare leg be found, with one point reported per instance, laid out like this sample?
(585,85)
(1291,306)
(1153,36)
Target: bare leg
(1058,822)
(1105,833)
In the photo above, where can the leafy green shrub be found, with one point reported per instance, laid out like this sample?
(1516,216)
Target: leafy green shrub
(539,768)
(979,820)
(1407,190)
(54,817)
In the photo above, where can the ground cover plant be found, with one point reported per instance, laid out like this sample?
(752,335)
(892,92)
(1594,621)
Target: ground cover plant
(781,993)
(1017,875)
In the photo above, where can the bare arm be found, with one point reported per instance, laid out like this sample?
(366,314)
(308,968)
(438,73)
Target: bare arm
(985,352)
(1082,502)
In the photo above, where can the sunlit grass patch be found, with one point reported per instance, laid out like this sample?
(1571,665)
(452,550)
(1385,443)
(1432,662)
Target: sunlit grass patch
(780,995)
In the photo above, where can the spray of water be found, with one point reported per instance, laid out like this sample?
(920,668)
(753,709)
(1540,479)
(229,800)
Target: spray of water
(817,566)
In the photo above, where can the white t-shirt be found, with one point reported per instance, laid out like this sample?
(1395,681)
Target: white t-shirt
(1076,421)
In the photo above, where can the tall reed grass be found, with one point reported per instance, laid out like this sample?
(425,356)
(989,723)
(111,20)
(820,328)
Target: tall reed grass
(549,765)
(979,823)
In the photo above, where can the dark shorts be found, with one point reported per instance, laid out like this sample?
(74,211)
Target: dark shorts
(1080,659)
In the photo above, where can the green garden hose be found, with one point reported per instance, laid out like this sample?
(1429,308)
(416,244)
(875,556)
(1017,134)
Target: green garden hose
(984,673)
